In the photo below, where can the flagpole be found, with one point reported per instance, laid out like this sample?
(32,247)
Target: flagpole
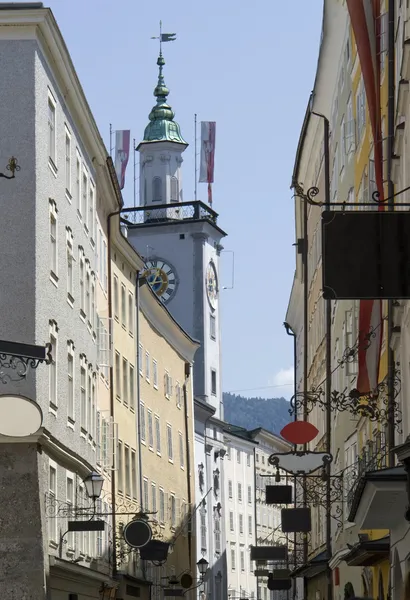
(111,140)
(135,176)
(160,38)
(196,162)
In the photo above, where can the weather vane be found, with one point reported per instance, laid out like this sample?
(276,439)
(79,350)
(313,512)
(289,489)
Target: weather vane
(164,37)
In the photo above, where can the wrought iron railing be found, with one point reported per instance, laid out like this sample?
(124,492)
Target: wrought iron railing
(373,457)
(177,211)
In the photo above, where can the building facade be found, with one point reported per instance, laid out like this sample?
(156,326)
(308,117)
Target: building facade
(240,511)
(58,204)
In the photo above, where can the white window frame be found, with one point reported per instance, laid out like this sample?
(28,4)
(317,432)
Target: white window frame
(123,306)
(117,380)
(170,448)
(83,394)
(155,373)
(78,162)
(214,389)
(53,368)
(70,266)
(131,371)
(125,387)
(120,467)
(239,492)
(116,298)
(161,505)
(70,499)
(167,385)
(131,309)
(181,450)
(71,382)
(67,149)
(53,221)
(82,276)
(85,182)
(127,470)
(91,211)
(150,419)
(134,483)
(147,366)
(52,132)
(143,423)
(53,493)
(212,327)
(178,394)
(141,359)
(157,434)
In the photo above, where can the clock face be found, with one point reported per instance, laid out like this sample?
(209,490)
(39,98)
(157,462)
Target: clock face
(211,284)
(162,279)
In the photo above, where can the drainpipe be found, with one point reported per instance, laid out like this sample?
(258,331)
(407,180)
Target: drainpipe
(188,456)
(390,309)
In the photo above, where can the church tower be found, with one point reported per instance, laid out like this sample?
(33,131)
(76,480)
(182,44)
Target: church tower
(180,242)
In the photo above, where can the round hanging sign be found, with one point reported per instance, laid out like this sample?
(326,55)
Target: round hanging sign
(186,581)
(299,432)
(137,533)
(19,416)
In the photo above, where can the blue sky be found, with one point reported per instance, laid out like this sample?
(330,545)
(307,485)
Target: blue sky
(250,67)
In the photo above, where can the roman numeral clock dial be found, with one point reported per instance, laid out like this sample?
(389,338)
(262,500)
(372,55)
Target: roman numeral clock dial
(211,282)
(162,278)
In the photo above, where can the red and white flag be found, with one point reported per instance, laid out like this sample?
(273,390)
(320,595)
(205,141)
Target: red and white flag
(365,20)
(122,153)
(206,171)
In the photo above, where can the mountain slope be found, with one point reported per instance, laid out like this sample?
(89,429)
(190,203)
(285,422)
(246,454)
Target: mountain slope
(271,414)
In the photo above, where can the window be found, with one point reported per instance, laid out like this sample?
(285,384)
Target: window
(242,560)
(157,189)
(120,478)
(167,385)
(173,510)
(169,442)
(123,306)
(249,494)
(52,130)
(92,318)
(349,132)
(83,209)
(154,498)
(257,458)
(233,559)
(155,373)
(178,394)
(87,309)
(181,451)
(145,494)
(343,152)
(203,529)
(248,460)
(213,382)
(140,350)
(53,240)
(212,327)
(238,457)
(131,309)
(89,403)
(132,387)
(125,381)
(127,466)
(52,488)
(231,521)
(384,38)
(82,282)
(68,163)
(70,503)
(117,375)
(70,383)
(241,523)
(263,459)
(134,473)
(230,489)
(158,434)
(360,110)
(150,430)
(174,190)
(250,525)
(147,366)
(78,183)
(70,266)
(104,278)
(53,370)
(91,208)
(142,421)
(239,492)
(217,536)
(83,394)
(228,452)
(161,505)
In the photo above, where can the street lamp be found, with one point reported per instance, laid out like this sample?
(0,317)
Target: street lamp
(202,565)
(93,485)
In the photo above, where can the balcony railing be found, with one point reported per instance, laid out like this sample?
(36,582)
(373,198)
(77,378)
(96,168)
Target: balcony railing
(163,213)
(373,457)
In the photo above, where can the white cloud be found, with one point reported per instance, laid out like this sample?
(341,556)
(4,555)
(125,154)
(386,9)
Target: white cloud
(283,378)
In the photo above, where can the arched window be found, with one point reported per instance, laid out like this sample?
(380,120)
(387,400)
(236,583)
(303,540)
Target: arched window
(157,189)
(174,190)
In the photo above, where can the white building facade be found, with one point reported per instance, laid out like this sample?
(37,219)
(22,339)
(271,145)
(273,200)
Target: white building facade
(58,205)
(240,511)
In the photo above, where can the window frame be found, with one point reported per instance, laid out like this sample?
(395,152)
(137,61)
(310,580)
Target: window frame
(53,220)
(170,447)
(70,384)
(53,368)
(52,132)
(68,179)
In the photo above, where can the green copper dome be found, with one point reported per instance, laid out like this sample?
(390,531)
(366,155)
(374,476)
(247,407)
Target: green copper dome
(162,127)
